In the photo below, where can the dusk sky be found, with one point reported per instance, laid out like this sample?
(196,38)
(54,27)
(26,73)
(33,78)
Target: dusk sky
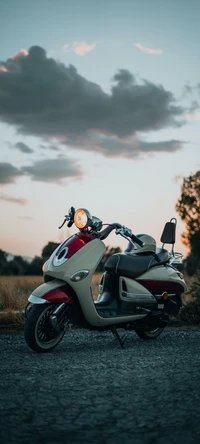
(99,108)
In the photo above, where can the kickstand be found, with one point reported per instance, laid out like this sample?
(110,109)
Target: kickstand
(116,334)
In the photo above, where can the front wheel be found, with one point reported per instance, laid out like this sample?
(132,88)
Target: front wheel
(149,334)
(39,334)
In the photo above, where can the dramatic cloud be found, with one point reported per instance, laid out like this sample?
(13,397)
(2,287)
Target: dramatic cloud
(44,98)
(53,170)
(80,48)
(148,50)
(23,147)
(8,173)
(15,200)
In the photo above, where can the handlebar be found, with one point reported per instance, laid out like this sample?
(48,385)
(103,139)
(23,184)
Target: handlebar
(120,229)
(104,233)
(124,231)
(137,240)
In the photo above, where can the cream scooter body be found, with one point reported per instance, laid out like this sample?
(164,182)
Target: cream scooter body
(87,259)
(138,290)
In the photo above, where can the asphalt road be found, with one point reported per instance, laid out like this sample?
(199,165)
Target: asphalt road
(89,390)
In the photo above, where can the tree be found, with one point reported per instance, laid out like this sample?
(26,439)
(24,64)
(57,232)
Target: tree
(48,250)
(3,261)
(188,207)
(35,267)
(17,266)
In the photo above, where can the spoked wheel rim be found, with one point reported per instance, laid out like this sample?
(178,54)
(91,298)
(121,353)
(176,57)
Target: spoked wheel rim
(45,336)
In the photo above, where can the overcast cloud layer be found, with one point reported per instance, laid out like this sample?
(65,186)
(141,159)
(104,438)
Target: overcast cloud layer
(43,97)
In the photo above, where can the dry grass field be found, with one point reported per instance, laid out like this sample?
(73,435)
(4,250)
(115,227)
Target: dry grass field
(15,290)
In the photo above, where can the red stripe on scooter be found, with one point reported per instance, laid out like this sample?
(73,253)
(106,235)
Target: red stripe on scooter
(75,243)
(58,295)
(158,287)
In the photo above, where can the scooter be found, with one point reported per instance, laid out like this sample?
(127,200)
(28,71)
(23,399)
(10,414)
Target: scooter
(139,290)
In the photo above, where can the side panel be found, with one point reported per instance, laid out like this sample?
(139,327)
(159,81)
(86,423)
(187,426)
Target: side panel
(132,286)
(133,292)
(162,278)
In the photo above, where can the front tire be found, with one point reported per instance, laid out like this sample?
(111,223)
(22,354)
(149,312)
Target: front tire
(149,334)
(38,332)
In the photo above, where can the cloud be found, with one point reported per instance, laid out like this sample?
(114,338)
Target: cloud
(188,89)
(15,200)
(47,170)
(23,147)
(151,51)
(80,48)
(53,170)
(21,53)
(3,69)
(8,173)
(51,146)
(193,116)
(42,97)
(132,147)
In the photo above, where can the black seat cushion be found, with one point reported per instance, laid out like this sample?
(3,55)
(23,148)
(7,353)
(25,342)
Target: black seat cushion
(134,265)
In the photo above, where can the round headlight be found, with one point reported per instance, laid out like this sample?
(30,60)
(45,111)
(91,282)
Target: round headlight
(82,218)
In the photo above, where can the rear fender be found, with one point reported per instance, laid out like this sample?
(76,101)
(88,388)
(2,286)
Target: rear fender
(55,291)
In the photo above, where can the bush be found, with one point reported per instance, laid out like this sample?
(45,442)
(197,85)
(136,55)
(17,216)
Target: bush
(191,312)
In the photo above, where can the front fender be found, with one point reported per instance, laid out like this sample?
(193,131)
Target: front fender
(55,291)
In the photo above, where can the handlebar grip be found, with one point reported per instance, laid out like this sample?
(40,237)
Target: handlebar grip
(137,240)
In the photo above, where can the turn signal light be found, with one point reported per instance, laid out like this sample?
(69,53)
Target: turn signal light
(165,296)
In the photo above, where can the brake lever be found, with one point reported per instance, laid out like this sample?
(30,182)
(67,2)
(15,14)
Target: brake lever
(125,232)
(65,220)
(69,218)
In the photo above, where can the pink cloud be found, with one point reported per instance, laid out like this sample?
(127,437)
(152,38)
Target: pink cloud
(80,48)
(3,69)
(148,50)
(22,52)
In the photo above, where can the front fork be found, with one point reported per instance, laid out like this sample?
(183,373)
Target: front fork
(60,318)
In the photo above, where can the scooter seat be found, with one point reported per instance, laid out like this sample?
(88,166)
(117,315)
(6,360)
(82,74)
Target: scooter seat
(134,265)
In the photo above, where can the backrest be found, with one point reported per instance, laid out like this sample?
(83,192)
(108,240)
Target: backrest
(169,232)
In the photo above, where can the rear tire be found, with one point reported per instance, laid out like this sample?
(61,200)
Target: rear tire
(38,332)
(149,334)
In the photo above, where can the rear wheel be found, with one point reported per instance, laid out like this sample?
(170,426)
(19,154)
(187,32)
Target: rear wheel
(150,333)
(39,334)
